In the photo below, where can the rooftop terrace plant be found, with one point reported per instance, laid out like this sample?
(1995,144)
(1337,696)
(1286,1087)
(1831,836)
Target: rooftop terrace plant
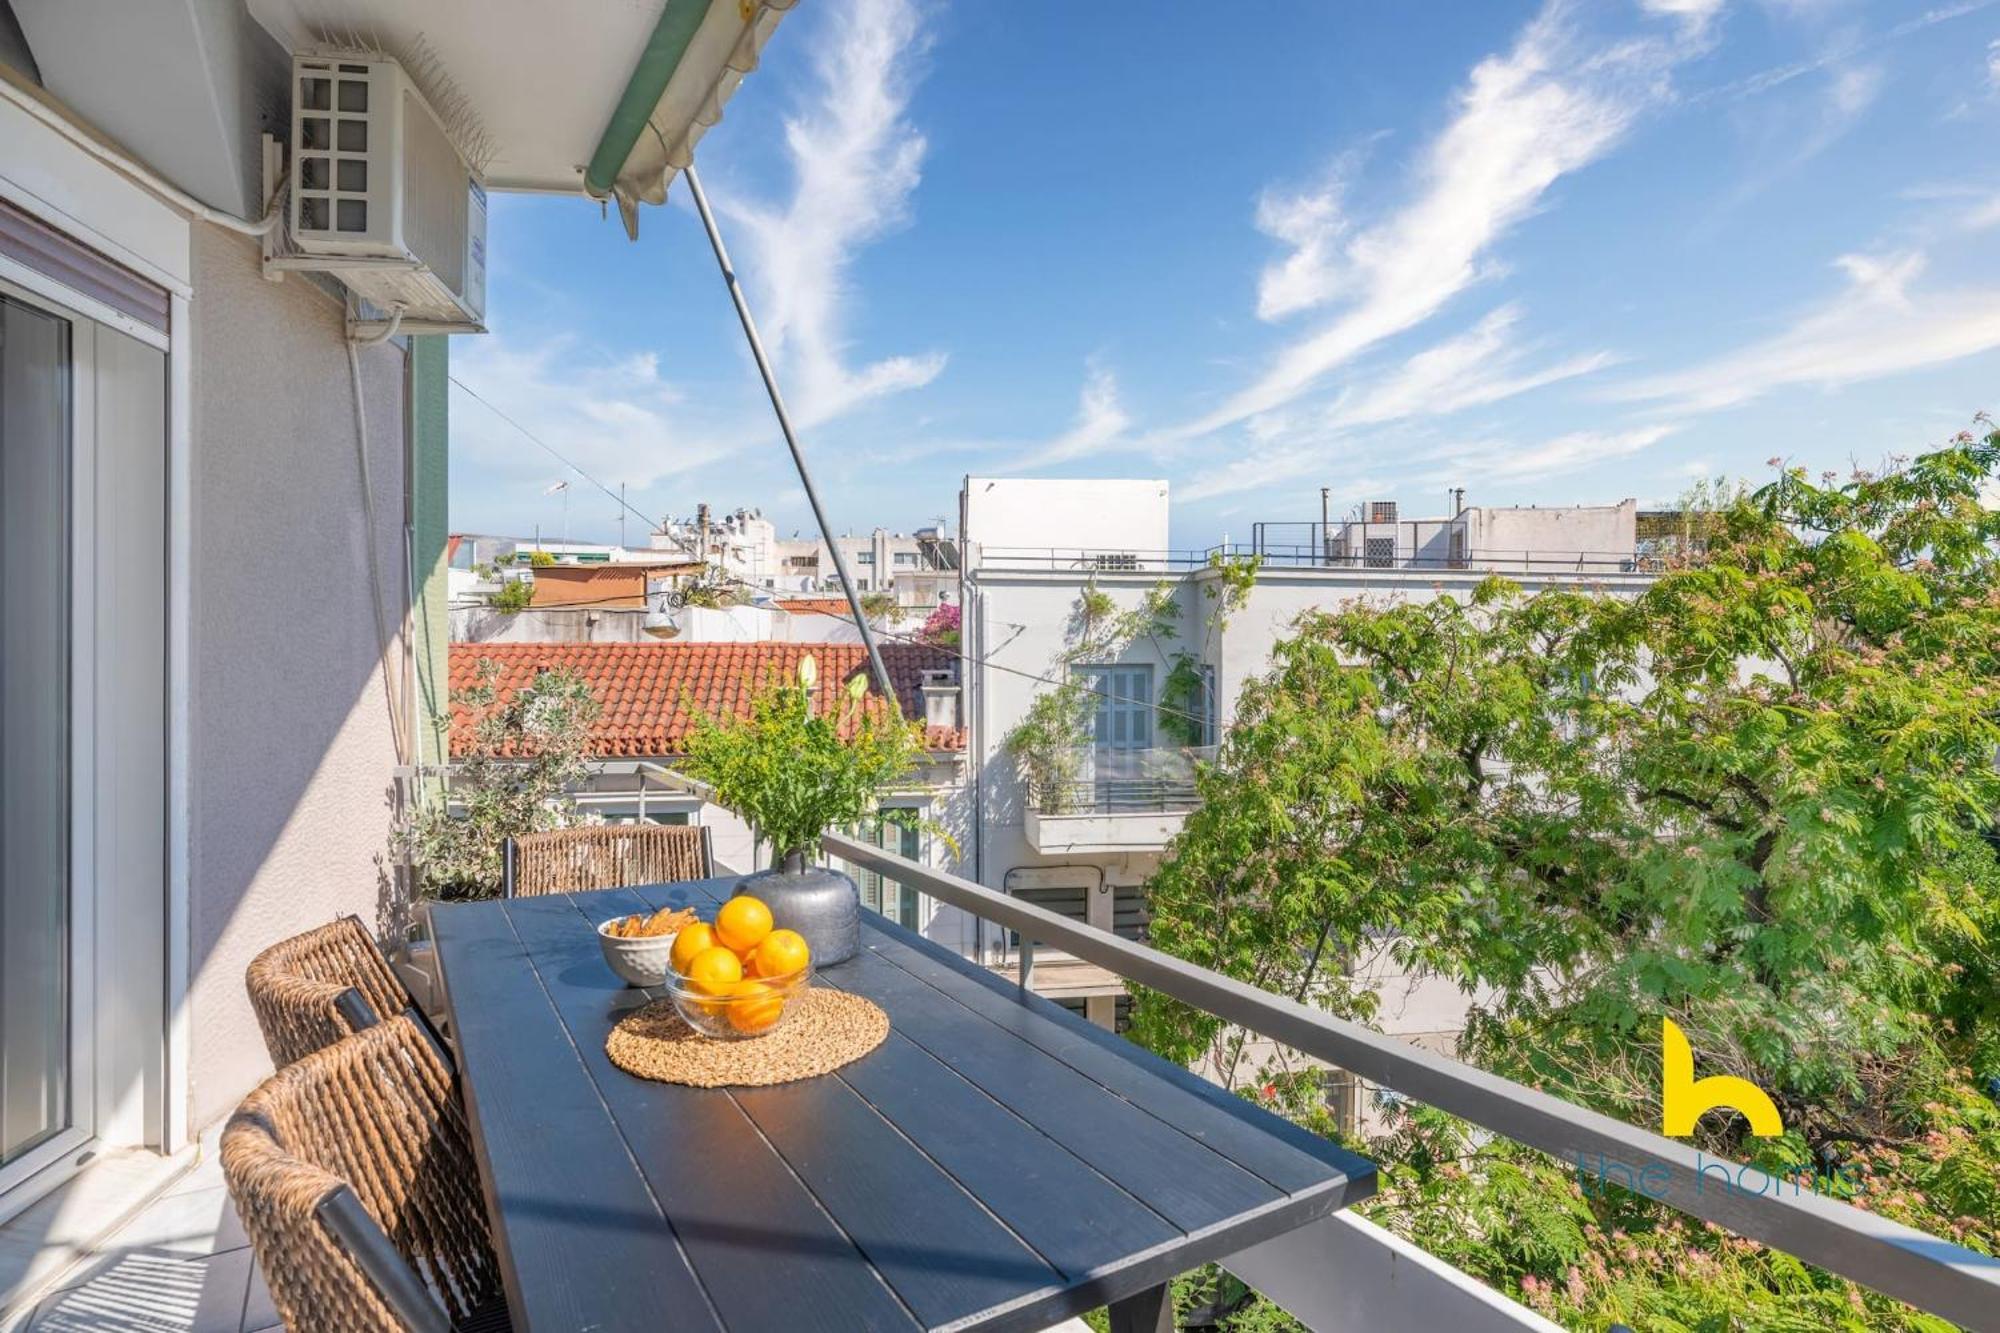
(526,752)
(805,758)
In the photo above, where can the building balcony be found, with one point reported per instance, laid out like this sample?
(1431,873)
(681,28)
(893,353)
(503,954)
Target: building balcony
(1108,801)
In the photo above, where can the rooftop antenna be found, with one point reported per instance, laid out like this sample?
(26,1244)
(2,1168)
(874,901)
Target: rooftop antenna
(562,486)
(881,672)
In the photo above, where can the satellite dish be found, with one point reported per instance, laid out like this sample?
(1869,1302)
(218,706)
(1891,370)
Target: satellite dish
(664,608)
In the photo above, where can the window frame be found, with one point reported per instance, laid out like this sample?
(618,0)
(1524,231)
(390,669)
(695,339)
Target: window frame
(1126,700)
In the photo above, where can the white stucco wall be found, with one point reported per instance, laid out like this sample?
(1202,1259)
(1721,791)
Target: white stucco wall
(1281,595)
(290,739)
(1066,514)
(1017,622)
(1595,532)
(734,624)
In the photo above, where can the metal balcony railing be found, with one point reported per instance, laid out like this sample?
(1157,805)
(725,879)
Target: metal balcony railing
(1314,547)
(1418,544)
(1113,782)
(1930,1273)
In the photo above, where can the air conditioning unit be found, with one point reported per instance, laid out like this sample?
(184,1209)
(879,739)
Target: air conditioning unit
(1381,511)
(381,198)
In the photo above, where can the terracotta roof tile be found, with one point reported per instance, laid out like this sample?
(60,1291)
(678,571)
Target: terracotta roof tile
(824,606)
(651,693)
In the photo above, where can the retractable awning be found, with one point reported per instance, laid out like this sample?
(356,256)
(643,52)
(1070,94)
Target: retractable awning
(570,96)
(581,95)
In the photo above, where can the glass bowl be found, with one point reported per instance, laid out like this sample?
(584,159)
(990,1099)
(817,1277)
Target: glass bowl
(756,1007)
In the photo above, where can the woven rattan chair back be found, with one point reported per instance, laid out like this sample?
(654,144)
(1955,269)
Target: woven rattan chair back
(374,1121)
(609,856)
(311,990)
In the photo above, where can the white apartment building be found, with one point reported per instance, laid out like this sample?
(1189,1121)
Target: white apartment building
(920,567)
(1032,546)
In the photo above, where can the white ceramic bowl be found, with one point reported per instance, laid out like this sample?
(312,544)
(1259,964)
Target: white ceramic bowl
(646,961)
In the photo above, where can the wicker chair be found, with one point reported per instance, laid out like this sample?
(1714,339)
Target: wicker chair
(353,1173)
(311,990)
(609,856)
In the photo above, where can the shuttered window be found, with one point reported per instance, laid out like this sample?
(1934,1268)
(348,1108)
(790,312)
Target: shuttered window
(879,892)
(1124,714)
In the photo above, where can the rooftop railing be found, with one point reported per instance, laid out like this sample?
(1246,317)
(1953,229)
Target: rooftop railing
(1277,554)
(1910,1265)
(1112,782)
(1419,544)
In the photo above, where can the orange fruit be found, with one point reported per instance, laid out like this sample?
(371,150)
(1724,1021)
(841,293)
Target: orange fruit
(782,953)
(714,971)
(755,1007)
(691,940)
(742,923)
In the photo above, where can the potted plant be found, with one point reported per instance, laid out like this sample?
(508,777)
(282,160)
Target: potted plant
(794,771)
(528,750)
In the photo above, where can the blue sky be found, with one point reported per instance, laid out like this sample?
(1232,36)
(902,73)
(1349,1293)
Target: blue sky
(1559,253)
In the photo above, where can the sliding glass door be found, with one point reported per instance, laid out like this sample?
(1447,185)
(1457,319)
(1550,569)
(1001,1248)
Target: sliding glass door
(36,402)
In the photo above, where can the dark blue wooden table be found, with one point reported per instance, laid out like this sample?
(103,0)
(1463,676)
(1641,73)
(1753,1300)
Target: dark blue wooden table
(996,1164)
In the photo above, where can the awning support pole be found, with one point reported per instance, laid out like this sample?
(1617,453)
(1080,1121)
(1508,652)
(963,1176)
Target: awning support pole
(875,664)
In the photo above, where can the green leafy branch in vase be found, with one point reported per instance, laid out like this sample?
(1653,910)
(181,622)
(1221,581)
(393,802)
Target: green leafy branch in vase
(804,759)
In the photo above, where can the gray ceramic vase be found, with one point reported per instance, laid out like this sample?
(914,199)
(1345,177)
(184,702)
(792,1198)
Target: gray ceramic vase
(817,901)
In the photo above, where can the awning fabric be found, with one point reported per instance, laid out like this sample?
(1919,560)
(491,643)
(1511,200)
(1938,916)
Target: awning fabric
(690,67)
(561,96)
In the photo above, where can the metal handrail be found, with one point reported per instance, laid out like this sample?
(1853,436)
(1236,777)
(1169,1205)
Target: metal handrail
(1112,796)
(1899,1261)
(1276,555)
(1107,780)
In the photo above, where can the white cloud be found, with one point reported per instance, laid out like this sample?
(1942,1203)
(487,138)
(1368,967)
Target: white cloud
(1563,454)
(1850,90)
(1100,422)
(1696,15)
(1851,43)
(1993,64)
(1484,459)
(1854,90)
(1479,366)
(856,160)
(615,419)
(1483,365)
(1879,325)
(1312,222)
(1548,107)
(1264,468)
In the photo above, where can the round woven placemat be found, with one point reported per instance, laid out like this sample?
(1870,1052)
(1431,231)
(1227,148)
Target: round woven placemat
(823,1030)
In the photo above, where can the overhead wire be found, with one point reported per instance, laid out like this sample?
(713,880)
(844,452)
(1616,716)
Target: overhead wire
(841,614)
(911,639)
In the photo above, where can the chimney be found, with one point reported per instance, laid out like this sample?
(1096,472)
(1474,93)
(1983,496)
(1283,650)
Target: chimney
(1457,501)
(940,693)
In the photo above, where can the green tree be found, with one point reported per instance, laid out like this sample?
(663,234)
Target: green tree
(514,597)
(526,751)
(878,606)
(1757,798)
